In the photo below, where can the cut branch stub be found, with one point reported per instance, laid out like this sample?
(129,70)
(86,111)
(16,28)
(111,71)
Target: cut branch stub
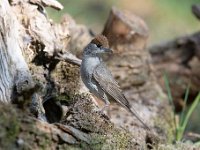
(127,34)
(124,28)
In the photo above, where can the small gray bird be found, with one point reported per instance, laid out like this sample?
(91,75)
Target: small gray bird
(98,79)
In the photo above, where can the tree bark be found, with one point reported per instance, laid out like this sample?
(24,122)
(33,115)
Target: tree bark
(15,78)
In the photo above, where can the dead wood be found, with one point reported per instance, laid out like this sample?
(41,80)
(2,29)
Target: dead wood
(15,75)
(181,49)
(70,58)
(22,131)
(35,76)
(196,10)
(179,58)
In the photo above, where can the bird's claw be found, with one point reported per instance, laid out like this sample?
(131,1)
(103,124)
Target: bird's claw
(104,108)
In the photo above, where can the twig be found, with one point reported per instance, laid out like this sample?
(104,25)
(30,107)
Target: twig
(69,58)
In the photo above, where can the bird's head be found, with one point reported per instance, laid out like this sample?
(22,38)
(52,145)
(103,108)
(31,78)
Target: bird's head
(98,46)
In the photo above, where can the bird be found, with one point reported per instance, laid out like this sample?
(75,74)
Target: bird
(97,77)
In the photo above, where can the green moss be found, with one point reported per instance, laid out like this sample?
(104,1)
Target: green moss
(119,139)
(64,99)
(166,126)
(116,139)
(178,146)
(44,141)
(12,131)
(97,141)
(69,147)
(103,134)
(9,127)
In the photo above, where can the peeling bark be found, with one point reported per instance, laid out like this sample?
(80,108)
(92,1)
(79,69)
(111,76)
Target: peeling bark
(14,70)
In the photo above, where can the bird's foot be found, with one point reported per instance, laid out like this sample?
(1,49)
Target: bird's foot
(107,114)
(105,107)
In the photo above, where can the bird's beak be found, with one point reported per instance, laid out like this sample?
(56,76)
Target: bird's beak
(107,50)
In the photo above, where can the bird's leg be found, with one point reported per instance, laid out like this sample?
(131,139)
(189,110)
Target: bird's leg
(107,103)
(105,107)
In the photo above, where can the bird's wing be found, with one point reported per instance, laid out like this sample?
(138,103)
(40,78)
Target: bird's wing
(105,79)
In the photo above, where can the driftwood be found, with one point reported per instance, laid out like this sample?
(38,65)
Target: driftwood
(179,58)
(15,73)
(40,73)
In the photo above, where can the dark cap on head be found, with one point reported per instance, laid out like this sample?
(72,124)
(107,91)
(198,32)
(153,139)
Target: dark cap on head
(100,40)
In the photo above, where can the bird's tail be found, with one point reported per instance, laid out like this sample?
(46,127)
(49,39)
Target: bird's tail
(134,113)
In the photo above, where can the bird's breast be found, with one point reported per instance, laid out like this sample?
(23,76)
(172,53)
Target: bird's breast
(89,64)
(87,68)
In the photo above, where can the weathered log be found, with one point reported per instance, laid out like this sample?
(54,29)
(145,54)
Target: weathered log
(15,77)
(181,49)
(179,58)
(20,131)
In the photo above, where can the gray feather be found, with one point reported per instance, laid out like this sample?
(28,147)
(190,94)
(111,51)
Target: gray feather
(105,79)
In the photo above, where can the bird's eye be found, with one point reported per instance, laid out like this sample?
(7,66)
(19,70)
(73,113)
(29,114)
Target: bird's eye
(99,45)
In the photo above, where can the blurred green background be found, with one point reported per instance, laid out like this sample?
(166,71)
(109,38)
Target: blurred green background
(166,19)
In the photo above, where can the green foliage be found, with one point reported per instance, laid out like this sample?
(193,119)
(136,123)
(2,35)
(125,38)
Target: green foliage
(185,114)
